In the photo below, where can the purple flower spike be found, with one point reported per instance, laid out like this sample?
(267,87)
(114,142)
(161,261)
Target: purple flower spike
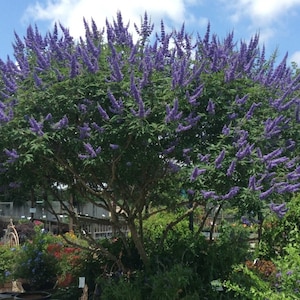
(279,209)
(252,183)
(266,193)
(84,131)
(251,110)
(186,151)
(209,194)
(232,193)
(245,221)
(231,168)
(277,161)
(241,101)
(97,127)
(225,130)
(196,173)
(82,108)
(219,159)
(117,106)
(91,152)
(169,150)
(210,107)
(48,117)
(114,146)
(204,158)
(272,154)
(61,123)
(173,114)
(12,154)
(36,127)
(174,168)
(103,113)
(182,128)
(190,192)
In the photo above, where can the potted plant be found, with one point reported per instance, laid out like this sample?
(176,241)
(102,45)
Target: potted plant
(35,265)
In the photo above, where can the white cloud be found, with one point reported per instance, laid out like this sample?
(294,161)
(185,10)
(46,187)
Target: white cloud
(71,12)
(295,57)
(264,15)
(261,11)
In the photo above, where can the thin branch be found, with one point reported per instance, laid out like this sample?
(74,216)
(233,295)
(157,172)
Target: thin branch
(175,222)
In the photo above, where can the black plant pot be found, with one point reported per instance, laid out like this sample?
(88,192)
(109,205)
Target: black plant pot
(33,295)
(7,296)
(30,287)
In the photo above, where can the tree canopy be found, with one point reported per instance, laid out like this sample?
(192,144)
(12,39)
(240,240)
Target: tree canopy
(129,123)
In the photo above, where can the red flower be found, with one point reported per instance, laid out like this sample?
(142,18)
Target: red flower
(65,280)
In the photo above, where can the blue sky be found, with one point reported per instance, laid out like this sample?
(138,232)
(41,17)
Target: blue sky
(277,21)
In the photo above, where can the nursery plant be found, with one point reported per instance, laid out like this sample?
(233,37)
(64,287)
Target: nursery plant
(274,271)
(34,265)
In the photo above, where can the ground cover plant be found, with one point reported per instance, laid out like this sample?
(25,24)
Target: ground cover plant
(167,122)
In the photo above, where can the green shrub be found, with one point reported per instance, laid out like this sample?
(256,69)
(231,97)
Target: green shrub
(283,281)
(169,284)
(7,258)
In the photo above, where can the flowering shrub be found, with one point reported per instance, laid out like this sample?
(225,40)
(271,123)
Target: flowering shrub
(46,260)
(68,260)
(278,277)
(35,264)
(268,280)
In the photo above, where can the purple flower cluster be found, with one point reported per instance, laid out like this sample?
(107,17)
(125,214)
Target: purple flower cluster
(196,172)
(84,131)
(279,209)
(232,193)
(114,146)
(103,113)
(12,155)
(210,107)
(272,126)
(117,106)
(172,114)
(62,123)
(90,151)
(219,159)
(231,168)
(209,195)
(245,221)
(253,184)
(36,127)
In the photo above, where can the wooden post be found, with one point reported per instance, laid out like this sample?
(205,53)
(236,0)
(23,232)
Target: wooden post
(85,293)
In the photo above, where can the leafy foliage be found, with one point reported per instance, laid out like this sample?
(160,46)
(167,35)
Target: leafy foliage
(275,274)
(7,255)
(119,120)
(35,264)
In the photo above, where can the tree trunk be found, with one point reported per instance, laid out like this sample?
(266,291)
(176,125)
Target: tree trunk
(32,205)
(71,207)
(212,229)
(138,244)
(204,218)
(260,224)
